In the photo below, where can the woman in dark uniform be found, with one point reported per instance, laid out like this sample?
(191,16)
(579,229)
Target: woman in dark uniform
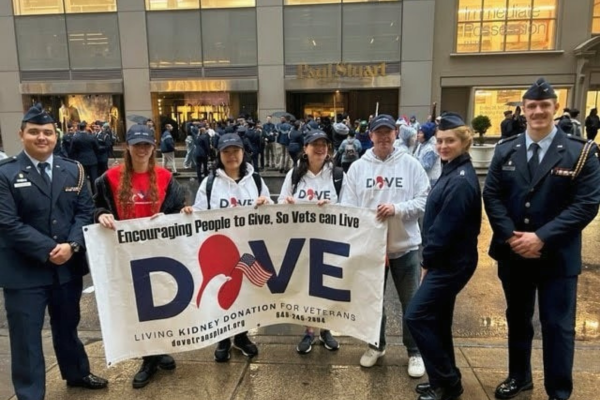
(450,228)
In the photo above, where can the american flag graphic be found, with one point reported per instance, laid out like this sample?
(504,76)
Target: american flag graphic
(255,272)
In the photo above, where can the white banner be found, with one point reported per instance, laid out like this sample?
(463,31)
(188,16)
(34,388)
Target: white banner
(182,282)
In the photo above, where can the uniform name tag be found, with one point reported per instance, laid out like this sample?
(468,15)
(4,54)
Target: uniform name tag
(22,184)
(72,189)
(509,168)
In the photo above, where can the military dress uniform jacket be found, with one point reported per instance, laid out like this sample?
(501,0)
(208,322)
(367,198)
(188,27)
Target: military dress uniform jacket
(452,218)
(34,219)
(85,148)
(554,204)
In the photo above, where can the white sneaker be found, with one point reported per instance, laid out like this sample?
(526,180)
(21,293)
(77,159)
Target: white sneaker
(370,357)
(416,368)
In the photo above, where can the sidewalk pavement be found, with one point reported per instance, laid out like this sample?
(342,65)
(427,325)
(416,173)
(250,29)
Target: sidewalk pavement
(278,372)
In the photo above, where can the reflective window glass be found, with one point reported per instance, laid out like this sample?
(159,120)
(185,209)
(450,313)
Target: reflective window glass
(376,38)
(596,21)
(493,103)
(227,3)
(31,7)
(312,34)
(174,39)
(90,6)
(506,25)
(306,2)
(238,46)
(152,5)
(94,41)
(48,54)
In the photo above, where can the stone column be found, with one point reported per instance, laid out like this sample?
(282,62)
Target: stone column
(134,55)
(271,90)
(11,101)
(417,57)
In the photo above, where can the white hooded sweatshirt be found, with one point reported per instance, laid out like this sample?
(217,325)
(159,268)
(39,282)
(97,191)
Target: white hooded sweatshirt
(311,187)
(227,193)
(399,179)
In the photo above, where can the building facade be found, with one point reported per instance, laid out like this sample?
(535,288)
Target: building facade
(180,59)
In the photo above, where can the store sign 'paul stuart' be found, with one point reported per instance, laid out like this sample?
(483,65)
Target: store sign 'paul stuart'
(333,71)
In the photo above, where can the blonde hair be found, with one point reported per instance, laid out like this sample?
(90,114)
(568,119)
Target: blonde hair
(465,134)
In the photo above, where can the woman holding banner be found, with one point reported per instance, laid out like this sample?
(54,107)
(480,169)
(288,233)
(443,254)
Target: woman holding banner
(450,228)
(314,179)
(138,188)
(232,183)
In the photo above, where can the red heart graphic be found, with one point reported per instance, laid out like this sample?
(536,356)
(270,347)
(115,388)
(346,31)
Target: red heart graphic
(219,255)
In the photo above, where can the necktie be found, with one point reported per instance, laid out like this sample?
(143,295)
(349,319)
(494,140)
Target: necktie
(42,166)
(534,161)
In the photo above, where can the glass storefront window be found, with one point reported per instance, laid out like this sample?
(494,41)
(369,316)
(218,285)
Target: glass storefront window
(238,46)
(493,103)
(94,41)
(90,6)
(152,5)
(31,7)
(174,39)
(593,101)
(305,2)
(376,38)
(312,34)
(596,19)
(48,54)
(506,25)
(227,3)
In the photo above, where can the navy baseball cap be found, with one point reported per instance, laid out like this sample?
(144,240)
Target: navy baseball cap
(230,139)
(314,135)
(37,115)
(139,134)
(383,121)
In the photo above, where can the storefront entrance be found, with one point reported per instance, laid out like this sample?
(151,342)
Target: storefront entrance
(74,108)
(358,104)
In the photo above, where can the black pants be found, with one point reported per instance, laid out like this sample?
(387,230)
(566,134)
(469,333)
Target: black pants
(102,167)
(591,134)
(25,310)
(201,167)
(429,319)
(557,299)
(91,171)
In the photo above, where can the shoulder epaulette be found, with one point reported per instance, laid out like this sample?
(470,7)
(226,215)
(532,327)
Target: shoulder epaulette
(577,138)
(8,160)
(502,141)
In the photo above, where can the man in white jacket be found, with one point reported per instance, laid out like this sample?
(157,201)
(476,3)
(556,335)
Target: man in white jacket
(393,183)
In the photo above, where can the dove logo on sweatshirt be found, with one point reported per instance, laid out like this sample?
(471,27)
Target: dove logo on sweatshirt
(381,182)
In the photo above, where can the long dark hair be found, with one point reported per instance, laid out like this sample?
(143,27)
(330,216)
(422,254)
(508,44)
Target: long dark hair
(303,164)
(243,166)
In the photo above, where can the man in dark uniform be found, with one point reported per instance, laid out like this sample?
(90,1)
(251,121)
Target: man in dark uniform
(44,204)
(506,126)
(542,189)
(85,149)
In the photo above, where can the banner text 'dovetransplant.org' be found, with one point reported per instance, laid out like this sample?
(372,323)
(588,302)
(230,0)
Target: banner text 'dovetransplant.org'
(183,282)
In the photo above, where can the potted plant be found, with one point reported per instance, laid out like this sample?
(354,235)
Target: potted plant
(481,153)
(481,124)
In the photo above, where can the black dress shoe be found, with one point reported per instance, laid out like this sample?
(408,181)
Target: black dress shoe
(442,393)
(422,388)
(147,370)
(89,382)
(223,351)
(511,387)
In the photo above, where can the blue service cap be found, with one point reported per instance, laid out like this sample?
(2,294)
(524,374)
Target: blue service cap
(450,120)
(540,90)
(37,115)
